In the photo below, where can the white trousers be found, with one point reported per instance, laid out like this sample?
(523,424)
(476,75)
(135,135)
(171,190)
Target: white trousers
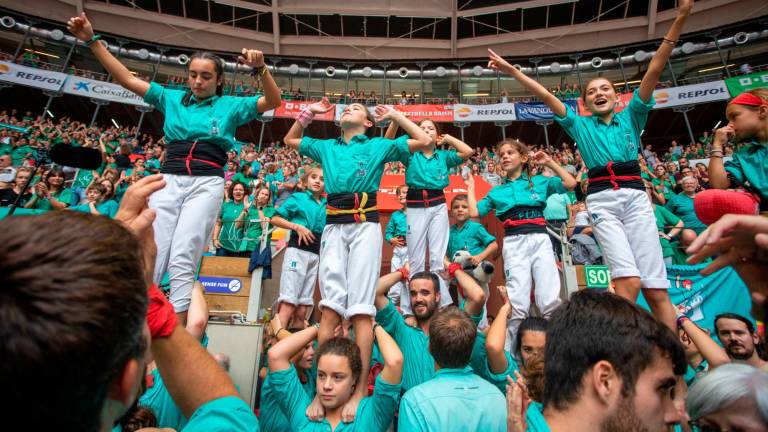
(427,226)
(625,226)
(350,263)
(528,258)
(298,276)
(187,209)
(399,259)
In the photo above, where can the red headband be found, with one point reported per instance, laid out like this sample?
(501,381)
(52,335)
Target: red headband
(748,99)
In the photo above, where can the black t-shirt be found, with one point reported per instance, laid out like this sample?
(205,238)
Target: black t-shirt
(8,196)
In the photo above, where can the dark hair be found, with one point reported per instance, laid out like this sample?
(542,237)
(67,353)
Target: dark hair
(343,347)
(735,316)
(218,64)
(452,336)
(459,197)
(594,326)
(108,194)
(139,417)
(246,190)
(72,309)
(530,324)
(521,148)
(427,275)
(58,172)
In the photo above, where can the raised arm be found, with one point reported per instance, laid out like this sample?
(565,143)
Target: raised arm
(383,285)
(471,199)
(659,60)
(497,335)
(255,59)
(281,353)
(496,62)
(293,137)
(393,357)
(463,149)
(473,293)
(83,30)
(391,132)
(718,177)
(542,158)
(197,315)
(713,353)
(419,140)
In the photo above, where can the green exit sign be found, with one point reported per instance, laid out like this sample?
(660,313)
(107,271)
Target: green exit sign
(597,276)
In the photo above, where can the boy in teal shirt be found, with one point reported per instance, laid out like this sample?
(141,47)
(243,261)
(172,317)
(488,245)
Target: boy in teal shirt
(395,235)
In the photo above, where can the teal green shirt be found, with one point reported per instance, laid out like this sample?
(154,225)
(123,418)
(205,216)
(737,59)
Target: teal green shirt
(214,119)
(254,230)
(751,165)
(617,141)
(418,363)
(665,220)
(430,172)
(302,208)
(19,153)
(107,208)
(356,166)
(534,416)
(693,374)
(518,192)
(241,178)
(230,236)
(667,188)
(454,400)
(397,226)
(271,417)
(471,237)
(225,414)
(557,207)
(479,363)
(682,206)
(374,413)
(65,196)
(160,401)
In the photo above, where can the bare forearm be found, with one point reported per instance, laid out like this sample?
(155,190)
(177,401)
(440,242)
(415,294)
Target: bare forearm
(718,177)
(495,340)
(391,132)
(119,72)
(568,181)
(538,90)
(473,292)
(271,92)
(489,250)
(393,357)
(293,137)
(462,148)
(659,60)
(416,133)
(709,349)
(382,288)
(280,354)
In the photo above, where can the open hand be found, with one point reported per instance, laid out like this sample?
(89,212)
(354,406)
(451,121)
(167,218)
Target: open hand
(322,106)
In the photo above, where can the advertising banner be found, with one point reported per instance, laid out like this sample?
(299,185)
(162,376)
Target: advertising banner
(95,89)
(292,109)
(538,110)
(740,84)
(438,113)
(484,113)
(32,77)
(690,94)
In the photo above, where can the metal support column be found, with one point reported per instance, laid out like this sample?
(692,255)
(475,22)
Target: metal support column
(346,83)
(17,53)
(461,126)
(621,67)
(264,121)
(683,109)
(54,94)
(544,124)
(503,125)
(714,35)
(311,63)
(458,65)
(383,96)
(421,66)
(575,58)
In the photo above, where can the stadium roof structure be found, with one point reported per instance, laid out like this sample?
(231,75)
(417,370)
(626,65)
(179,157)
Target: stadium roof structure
(376,30)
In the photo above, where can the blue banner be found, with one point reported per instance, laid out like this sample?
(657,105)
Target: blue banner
(221,285)
(538,110)
(702,298)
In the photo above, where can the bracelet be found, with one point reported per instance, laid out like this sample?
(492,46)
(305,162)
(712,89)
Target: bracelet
(404,274)
(669,42)
(305,117)
(259,71)
(716,156)
(681,319)
(93,39)
(452,269)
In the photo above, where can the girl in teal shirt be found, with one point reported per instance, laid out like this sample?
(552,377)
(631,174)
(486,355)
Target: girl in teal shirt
(199,129)
(228,234)
(50,194)
(609,143)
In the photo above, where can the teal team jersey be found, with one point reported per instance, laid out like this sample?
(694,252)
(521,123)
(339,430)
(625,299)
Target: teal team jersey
(418,364)
(557,207)
(65,196)
(374,413)
(229,413)
(682,206)
(471,237)
(534,416)
(454,400)
(665,220)
(230,236)
(617,141)
(271,416)
(301,208)
(397,226)
(18,154)
(356,166)
(430,172)
(214,119)
(254,229)
(107,208)
(518,192)
(160,401)
(750,165)
(667,188)
(479,363)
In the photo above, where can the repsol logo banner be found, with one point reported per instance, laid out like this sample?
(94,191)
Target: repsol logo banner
(484,113)
(101,90)
(38,78)
(690,94)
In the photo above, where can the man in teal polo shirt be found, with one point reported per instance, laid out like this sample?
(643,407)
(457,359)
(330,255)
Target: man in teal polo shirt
(419,364)
(455,399)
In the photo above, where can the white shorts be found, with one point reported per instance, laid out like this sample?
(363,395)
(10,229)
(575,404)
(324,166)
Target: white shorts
(350,263)
(625,227)
(399,259)
(297,279)
(528,259)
